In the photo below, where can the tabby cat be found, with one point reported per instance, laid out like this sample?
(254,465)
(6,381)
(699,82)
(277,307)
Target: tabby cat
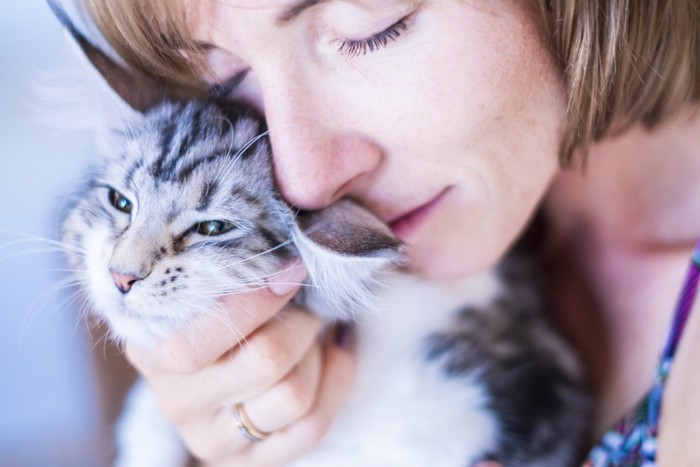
(183,209)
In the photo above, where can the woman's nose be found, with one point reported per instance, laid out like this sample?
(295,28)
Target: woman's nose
(315,167)
(319,154)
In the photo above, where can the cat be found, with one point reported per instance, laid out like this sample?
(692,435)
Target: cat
(183,209)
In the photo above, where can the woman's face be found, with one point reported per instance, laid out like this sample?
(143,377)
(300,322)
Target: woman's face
(442,117)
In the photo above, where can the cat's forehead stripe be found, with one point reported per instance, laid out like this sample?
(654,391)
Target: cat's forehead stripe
(167,135)
(186,171)
(182,131)
(192,134)
(129,176)
(206,194)
(196,135)
(246,195)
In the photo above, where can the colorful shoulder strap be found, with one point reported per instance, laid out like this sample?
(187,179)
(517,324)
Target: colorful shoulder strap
(633,441)
(684,305)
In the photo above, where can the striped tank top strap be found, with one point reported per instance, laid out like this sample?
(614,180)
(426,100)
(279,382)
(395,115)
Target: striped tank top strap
(684,305)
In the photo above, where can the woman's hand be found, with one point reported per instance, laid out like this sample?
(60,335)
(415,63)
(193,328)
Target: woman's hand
(260,352)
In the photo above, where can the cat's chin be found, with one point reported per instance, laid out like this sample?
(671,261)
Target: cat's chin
(135,330)
(125,326)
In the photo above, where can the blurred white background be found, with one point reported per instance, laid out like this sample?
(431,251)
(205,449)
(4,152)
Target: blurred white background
(49,408)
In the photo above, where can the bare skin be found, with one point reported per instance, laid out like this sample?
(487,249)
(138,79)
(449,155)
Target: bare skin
(628,227)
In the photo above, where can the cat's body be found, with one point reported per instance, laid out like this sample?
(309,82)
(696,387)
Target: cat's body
(183,209)
(417,403)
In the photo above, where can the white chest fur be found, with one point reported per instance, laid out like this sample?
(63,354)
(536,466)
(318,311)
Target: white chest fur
(403,410)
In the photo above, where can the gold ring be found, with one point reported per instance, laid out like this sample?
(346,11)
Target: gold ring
(245,426)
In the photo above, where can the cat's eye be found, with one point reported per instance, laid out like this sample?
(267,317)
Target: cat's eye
(213,228)
(119,201)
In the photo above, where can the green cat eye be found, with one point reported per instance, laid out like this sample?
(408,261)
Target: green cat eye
(119,201)
(213,228)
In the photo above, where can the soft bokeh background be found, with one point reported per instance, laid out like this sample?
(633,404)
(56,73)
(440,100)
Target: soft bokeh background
(49,406)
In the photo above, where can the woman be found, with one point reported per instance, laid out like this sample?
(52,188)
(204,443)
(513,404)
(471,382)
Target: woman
(450,120)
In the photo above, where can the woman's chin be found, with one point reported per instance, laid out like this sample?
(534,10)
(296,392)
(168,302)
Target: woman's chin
(443,263)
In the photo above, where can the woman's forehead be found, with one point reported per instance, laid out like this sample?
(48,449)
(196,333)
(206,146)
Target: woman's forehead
(292,7)
(280,12)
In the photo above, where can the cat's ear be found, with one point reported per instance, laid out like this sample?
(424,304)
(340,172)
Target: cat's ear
(344,248)
(348,229)
(140,92)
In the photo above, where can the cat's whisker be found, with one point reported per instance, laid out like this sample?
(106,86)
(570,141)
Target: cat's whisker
(83,320)
(217,313)
(26,247)
(66,283)
(48,244)
(239,285)
(250,143)
(233,161)
(28,252)
(24,235)
(83,312)
(253,257)
(67,270)
(236,286)
(224,266)
(262,282)
(104,339)
(221,174)
(33,313)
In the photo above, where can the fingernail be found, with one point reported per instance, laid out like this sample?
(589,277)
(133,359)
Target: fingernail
(288,279)
(344,336)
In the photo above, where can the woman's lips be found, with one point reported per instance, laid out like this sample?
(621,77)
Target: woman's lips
(408,222)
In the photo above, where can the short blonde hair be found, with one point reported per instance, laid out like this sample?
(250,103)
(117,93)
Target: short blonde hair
(622,62)
(152,36)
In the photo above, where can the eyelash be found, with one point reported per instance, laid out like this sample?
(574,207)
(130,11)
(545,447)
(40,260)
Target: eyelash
(354,48)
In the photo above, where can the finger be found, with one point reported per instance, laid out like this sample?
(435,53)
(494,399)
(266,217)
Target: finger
(221,439)
(298,438)
(215,439)
(269,354)
(291,398)
(209,336)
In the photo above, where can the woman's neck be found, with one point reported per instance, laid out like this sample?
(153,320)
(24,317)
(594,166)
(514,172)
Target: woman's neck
(640,190)
(620,240)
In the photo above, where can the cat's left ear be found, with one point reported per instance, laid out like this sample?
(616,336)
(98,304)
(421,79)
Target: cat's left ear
(344,248)
(347,229)
(140,92)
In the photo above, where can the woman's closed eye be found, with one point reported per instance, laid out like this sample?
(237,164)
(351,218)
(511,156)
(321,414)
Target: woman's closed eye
(356,47)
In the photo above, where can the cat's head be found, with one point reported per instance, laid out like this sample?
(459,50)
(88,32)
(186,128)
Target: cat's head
(182,211)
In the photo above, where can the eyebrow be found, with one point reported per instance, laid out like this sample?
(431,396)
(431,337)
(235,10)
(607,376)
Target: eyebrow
(295,10)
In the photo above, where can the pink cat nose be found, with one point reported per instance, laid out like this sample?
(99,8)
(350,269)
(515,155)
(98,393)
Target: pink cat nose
(124,282)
